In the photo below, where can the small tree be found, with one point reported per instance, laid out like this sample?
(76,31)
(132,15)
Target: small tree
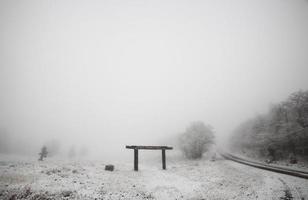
(196,140)
(43,153)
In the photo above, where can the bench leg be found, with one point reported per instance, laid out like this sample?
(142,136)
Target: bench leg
(163,151)
(136,159)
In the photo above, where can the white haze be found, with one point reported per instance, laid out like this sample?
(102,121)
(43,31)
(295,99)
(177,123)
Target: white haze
(104,74)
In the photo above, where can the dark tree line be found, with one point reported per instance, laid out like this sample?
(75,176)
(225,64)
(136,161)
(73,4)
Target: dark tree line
(281,133)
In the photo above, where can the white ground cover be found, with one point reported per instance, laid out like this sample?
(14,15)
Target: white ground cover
(183,179)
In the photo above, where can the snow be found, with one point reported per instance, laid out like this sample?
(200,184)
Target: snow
(183,179)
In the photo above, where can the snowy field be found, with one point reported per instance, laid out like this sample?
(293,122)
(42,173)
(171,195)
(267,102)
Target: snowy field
(193,180)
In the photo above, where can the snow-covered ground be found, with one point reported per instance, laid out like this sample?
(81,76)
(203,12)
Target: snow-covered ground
(183,179)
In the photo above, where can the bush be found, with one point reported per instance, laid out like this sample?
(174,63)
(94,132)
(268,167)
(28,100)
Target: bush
(196,140)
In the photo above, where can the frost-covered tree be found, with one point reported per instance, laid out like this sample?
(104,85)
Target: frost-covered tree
(298,106)
(196,140)
(43,154)
(278,133)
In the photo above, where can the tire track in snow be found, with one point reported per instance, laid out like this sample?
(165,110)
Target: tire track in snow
(290,191)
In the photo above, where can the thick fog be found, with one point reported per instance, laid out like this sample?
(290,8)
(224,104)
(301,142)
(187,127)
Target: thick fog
(102,74)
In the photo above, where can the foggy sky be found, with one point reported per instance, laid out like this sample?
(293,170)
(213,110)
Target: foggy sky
(110,73)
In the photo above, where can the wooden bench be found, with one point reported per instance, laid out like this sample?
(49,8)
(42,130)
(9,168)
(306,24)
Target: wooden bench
(136,148)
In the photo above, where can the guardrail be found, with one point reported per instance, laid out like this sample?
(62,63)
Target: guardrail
(282,170)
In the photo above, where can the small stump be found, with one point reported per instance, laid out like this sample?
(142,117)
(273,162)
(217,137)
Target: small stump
(109,167)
